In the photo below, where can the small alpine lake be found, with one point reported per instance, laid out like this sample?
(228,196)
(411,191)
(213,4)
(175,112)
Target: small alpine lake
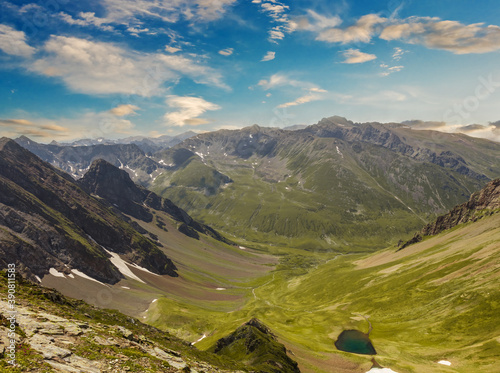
(356,342)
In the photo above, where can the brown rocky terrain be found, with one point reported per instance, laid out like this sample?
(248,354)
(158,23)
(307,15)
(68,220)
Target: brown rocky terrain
(482,203)
(47,221)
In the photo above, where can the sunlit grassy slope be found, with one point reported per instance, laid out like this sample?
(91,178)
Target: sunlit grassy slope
(436,300)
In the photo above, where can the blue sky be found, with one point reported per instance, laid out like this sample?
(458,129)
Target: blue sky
(117,68)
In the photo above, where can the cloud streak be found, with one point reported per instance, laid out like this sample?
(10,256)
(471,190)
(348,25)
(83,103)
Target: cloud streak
(187,110)
(315,94)
(353,56)
(268,57)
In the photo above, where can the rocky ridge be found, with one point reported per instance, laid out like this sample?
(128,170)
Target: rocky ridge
(117,188)
(47,221)
(254,344)
(483,203)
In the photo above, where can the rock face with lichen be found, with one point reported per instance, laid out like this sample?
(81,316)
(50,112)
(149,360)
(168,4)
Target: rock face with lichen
(56,333)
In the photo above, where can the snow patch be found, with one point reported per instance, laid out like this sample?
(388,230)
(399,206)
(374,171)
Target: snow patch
(444,362)
(154,300)
(38,278)
(221,289)
(200,339)
(142,268)
(381,370)
(54,272)
(126,287)
(71,275)
(122,266)
(339,152)
(242,248)
(81,274)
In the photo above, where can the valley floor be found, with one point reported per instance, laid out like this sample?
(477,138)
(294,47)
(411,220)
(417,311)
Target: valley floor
(432,303)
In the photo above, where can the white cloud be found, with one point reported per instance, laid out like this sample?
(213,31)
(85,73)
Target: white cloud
(269,56)
(86,19)
(356,56)
(129,11)
(42,129)
(278,12)
(314,94)
(389,70)
(452,36)
(279,80)
(123,110)
(362,31)
(187,110)
(13,42)
(103,68)
(315,22)
(171,49)
(226,52)
(398,54)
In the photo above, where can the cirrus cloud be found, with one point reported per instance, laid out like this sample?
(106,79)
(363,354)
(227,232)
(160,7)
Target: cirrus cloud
(356,56)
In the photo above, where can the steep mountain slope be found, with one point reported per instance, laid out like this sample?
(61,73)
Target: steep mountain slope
(254,345)
(115,186)
(483,203)
(48,223)
(59,334)
(76,160)
(335,186)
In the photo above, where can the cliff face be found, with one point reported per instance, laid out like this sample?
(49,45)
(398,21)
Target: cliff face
(48,221)
(117,188)
(484,202)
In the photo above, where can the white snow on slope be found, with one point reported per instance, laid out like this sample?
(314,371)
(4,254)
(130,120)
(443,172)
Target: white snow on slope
(81,274)
(122,266)
(54,272)
(444,362)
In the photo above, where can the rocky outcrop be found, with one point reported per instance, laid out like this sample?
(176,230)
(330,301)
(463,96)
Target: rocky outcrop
(71,336)
(117,188)
(48,221)
(254,344)
(482,203)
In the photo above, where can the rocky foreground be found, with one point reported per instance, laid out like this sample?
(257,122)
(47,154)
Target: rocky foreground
(57,334)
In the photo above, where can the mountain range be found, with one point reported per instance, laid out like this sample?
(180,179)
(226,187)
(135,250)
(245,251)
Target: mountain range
(335,185)
(304,232)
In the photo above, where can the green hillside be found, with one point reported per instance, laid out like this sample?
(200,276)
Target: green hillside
(335,186)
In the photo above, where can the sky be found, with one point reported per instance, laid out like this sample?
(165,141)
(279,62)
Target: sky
(119,68)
